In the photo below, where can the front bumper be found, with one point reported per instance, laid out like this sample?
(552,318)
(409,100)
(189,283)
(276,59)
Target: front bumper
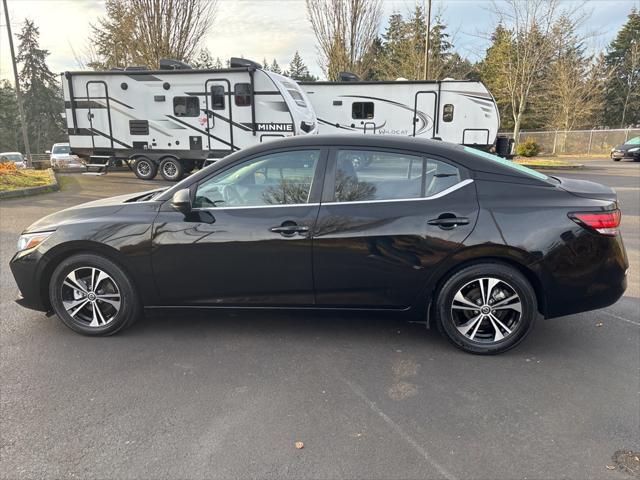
(27,267)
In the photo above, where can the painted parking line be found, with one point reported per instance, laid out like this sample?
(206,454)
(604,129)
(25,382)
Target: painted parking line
(613,315)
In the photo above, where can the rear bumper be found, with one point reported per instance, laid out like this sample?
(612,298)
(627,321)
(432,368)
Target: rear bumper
(592,274)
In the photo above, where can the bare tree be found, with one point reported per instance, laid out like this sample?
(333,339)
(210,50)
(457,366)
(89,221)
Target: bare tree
(144,31)
(530,24)
(345,31)
(170,28)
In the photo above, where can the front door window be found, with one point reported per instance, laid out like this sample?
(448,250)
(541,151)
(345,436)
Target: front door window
(277,179)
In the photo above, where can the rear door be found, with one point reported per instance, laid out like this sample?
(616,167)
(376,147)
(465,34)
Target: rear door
(387,219)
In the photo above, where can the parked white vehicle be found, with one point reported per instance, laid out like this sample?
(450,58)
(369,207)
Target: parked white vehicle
(15,157)
(60,156)
(458,111)
(173,119)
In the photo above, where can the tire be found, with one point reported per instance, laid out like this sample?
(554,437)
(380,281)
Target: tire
(188,166)
(476,330)
(615,159)
(97,305)
(144,168)
(171,170)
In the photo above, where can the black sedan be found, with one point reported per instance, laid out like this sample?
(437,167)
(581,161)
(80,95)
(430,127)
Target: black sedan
(477,245)
(629,149)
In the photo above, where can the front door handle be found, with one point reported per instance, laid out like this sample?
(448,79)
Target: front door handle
(448,221)
(289,230)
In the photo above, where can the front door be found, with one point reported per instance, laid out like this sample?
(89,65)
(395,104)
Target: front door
(99,114)
(387,222)
(247,241)
(424,114)
(219,114)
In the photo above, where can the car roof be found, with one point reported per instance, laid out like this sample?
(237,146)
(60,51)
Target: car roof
(10,153)
(452,151)
(63,143)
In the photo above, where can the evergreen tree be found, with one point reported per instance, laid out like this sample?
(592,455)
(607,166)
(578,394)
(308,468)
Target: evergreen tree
(10,138)
(299,71)
(622,107)
(275,68)
(204,60)
(42,95)
(265,64)
(217,64)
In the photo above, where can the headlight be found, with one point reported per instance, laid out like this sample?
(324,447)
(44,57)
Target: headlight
(634,149)
(32,240)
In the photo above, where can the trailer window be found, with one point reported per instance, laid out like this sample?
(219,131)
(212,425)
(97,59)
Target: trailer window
(242,92)
(217,97)
(362,110)
(186,106)
(447,113)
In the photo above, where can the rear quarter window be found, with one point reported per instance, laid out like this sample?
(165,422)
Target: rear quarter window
(507,163)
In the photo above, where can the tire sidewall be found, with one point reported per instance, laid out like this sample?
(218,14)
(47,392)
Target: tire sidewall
(503,272)
(129,307)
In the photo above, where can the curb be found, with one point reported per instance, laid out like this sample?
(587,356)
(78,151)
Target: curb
(578,166)
(26,192)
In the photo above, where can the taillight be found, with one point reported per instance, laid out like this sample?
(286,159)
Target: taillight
(605,223)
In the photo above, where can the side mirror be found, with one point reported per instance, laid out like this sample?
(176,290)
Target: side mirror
(181,201)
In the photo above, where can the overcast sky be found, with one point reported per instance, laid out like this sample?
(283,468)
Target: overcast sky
(276,29)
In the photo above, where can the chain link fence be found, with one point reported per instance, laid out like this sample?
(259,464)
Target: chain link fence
(578,142)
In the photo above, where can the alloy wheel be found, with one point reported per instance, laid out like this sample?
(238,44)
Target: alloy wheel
(169,169)
(91,296)
(143,168)
(486,310)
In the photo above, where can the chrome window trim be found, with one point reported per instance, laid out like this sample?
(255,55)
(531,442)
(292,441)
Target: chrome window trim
(246,207)
(441,194)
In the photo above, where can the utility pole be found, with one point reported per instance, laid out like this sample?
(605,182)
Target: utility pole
(23,120)
(426,40)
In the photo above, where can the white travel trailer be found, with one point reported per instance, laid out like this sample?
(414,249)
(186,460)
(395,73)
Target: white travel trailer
(458,111)
(173,119)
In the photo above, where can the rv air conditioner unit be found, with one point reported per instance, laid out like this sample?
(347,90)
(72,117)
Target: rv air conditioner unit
(170,64)
(235,62)
(348,77)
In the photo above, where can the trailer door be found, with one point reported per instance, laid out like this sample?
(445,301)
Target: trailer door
(425,114)
(219,114)
(99,114)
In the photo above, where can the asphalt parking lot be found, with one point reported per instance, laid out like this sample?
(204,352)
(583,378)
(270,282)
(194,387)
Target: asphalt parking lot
(226,395)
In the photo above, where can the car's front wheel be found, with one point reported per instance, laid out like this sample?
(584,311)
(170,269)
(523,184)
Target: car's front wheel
(92,295)
(486,308)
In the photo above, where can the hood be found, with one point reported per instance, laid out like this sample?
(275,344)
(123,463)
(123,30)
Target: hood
(92,210)
(586,189)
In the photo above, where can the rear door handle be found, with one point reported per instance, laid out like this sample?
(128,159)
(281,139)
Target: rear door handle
(449,222)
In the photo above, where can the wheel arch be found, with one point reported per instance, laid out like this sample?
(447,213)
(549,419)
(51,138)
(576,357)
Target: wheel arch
(510,257)
(60,252)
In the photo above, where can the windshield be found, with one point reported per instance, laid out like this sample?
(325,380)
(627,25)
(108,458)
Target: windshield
(634,141)
(58,149)
(506,163)
(11,157)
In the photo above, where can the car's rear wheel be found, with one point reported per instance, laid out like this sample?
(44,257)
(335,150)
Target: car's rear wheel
(486,308)
(144,168)
(92,295)
(171,169)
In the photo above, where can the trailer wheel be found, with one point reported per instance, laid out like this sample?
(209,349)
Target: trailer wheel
(144,168)
(171,169)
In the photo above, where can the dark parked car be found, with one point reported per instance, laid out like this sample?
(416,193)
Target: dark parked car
(630,149)
(477,244)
